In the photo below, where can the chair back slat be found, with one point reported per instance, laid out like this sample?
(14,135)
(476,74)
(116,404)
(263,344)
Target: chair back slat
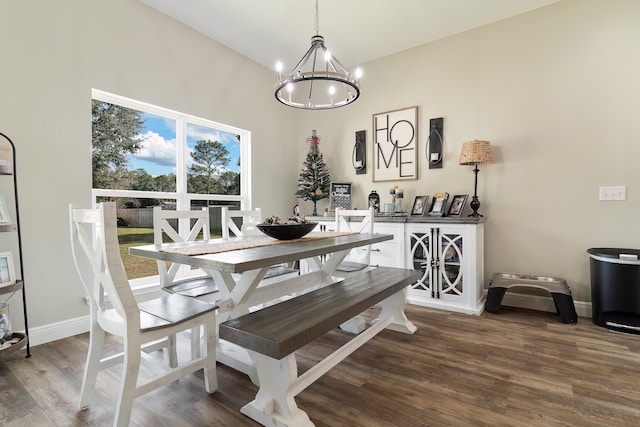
(96,253)
(250,218)
(183,231)
(365,225)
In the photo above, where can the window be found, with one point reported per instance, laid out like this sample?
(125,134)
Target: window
(144,156)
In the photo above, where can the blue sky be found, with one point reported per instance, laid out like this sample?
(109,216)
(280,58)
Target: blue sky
(158,153)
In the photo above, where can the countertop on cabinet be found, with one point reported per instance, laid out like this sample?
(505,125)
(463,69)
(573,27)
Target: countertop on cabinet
(412,219)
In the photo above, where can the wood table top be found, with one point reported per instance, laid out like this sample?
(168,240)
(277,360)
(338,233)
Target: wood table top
(241,260)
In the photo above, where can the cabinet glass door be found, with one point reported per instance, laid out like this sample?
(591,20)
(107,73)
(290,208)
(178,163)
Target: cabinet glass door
(421,257)
(451,280)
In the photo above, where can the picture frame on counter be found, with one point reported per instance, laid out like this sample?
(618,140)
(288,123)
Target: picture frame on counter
(7,271)
(420,204)
(438,204)
(4,212)
(458,203)
(340,195)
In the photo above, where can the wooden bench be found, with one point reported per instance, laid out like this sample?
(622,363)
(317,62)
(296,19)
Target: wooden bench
(274,333)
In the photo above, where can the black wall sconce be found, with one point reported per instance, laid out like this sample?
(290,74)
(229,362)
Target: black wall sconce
(435,143)
(359,156)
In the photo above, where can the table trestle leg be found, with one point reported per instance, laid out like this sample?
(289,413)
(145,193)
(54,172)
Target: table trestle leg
(275,404)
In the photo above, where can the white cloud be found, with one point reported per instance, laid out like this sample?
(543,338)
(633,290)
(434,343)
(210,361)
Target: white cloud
(156,149)
(203,133)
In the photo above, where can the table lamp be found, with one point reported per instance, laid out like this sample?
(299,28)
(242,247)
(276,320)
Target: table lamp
(474,153)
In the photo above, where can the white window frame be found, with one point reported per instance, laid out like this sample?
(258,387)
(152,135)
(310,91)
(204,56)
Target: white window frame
(182,198)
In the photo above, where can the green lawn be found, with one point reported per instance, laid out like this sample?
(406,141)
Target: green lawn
(136,266)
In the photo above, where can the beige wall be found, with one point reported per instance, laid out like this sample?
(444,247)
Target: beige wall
(53,53)
(557,93)
(555,90)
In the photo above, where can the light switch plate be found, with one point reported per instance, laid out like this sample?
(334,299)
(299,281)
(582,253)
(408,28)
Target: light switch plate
(618,192)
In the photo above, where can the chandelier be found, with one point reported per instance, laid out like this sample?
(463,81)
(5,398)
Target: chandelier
(319,81)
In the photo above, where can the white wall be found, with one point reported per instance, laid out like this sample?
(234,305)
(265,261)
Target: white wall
(557,93)
(53,53)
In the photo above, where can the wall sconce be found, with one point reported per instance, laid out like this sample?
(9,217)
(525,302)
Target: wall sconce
(435,143)
(359,156)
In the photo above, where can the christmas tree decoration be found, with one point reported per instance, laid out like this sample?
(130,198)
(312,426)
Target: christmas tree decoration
(313,180)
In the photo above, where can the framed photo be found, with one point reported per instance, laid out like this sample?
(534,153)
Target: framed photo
(4,212)
(395,149)
(457,204)
(438,204)
(340,195)
(6,160)
(7,272)
(419,205)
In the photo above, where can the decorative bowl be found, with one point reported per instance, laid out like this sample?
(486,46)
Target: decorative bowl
(287,231)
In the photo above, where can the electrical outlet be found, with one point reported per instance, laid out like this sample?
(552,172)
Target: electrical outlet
(618,192)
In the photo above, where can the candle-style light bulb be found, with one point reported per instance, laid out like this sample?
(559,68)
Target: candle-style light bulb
(290,89)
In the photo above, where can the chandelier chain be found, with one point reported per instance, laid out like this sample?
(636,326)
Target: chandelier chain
(317,19)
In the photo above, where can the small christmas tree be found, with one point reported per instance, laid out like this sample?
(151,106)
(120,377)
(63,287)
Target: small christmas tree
(313,181)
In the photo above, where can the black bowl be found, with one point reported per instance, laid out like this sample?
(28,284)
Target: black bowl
(287,231)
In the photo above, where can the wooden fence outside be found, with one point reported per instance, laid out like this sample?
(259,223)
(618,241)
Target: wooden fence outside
(143,217)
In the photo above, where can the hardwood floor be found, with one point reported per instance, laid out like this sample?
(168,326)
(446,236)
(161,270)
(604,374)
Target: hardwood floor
(516,368)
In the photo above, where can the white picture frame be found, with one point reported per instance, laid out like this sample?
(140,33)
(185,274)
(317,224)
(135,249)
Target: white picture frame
(7,270)
(5,218)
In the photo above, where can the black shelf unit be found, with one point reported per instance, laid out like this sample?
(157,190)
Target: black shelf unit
(8,168)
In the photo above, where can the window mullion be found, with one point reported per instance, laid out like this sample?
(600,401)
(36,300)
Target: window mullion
(181,164)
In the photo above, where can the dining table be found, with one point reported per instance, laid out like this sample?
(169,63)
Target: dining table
(238,265)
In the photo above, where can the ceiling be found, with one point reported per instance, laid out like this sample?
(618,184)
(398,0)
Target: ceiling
(356,31)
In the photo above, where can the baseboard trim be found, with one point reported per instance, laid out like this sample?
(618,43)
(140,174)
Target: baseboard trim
(70,327)
(59,330)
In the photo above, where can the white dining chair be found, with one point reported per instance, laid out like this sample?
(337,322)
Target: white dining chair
(179,226)
(249,219)
(359,258)
(114,310)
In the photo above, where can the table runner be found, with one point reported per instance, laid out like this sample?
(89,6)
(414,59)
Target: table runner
(254,242)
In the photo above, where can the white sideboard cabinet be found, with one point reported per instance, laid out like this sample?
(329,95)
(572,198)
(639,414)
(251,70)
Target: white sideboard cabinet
(448,251)
(450,257)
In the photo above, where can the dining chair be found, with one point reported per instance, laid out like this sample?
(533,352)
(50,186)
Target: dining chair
(178,226)
(359,258)
(249,218)
(114,310)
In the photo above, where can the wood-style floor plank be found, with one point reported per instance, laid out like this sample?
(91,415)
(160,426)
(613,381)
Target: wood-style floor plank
(516,368)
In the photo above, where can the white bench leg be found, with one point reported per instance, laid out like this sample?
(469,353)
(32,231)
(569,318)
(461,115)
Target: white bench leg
(274,405)
(394,307)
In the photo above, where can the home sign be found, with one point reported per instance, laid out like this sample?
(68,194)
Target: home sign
(395,151)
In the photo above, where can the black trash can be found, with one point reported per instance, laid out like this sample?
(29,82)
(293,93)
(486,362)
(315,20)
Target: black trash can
(615,288)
